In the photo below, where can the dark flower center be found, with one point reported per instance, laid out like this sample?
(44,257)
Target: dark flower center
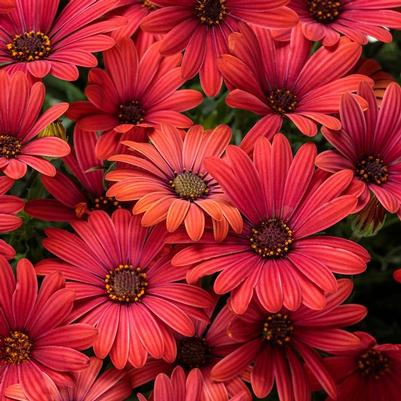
(193,353)
(131,113)
(125,284)
(189,186)
(10,146)
(105,203)
(211,12)
(278,329)
(373,364)
(324,11)
(282,101)
(372,170)
(148,4)
(29,46)
(271,238)
(15,348)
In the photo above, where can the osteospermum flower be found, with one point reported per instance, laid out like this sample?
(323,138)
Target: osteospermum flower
(72,201)
(201,27)
(124,288)
(10,206)
(304,88)
(171,182)
(280,345)
(88,385)
(369,372)
(369,145)
(326,21)
(35,40)
(181,388)
(38,348)
(285,203)
(133,94)
(21,122)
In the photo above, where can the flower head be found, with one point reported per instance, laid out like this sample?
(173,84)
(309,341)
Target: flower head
(279,345)
(201,27)
(304,88)
(124,288)
(10,206)
(285,203)
(171,181)
(38,348)
(36,40)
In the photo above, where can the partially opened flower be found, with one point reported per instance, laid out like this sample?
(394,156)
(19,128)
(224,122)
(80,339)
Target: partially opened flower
(369,372)
(305,88)
(38,348)
(170,181)
(285,203)
(326,21)
(20,123)
(88,385)
(369,145)
(133,94)
(280,345)
(201,27)
(124,287)
(36,39)
(10,206)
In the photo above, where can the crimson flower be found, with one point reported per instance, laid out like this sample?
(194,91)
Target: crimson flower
(285,203)
(325,21)
(133,94)
(35,40)
(369,372)
(369,145)
(38,348)
(302,87)
(171,183)
(201,27)
(397,275)
(131,294)
(20,123)
(278,345)
(10,206)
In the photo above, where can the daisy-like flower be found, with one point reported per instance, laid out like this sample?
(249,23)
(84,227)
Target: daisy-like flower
(10,206)
(171,182)
(6,6)
(369,145)
(181,388)
(201,27)
(285,203)
(133,94)
(327,20)
(72,201)
(369,372)
(131,294)
(304,88)
(21,122)
(201,352)
(38,349)
(278,345)
(88,385)
(35,40)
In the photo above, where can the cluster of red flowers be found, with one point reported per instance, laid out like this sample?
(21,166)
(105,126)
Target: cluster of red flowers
(186,261)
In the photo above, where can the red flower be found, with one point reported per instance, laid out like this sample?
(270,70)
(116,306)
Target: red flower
(133,94)
(201,27)
(369,145)
(200,353)
(301,87)
(326,20)
(181,388)
(6,6)
(171,182)
(10,206)
(397,275)
(20,123)
(124,289)
(369,372)
(87,386)
(285,202)
(278,345)
(34,40)
(38,349)
(70,200)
